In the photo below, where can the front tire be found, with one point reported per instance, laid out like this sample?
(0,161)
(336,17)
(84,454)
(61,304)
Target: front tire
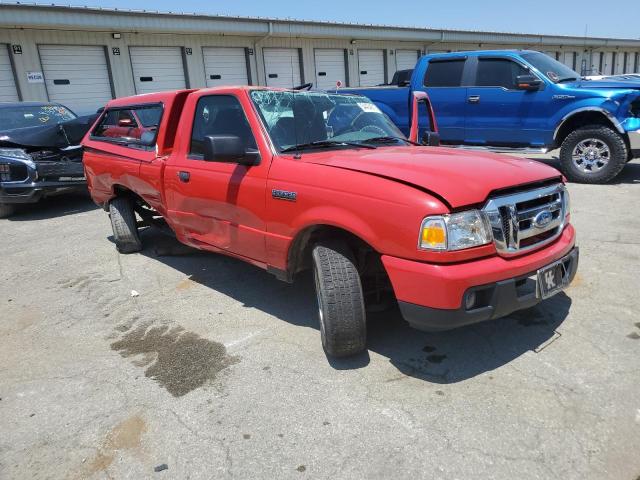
(124,224)
(343,325)
(6,210)
(593,154)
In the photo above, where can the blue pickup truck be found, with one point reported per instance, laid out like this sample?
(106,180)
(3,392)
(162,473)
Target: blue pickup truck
(520,99)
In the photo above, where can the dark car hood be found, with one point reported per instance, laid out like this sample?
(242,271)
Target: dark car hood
(59,135)
(609,84)
(460,177)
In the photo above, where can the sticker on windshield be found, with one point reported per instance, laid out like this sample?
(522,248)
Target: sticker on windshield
(369,107)
(553,76)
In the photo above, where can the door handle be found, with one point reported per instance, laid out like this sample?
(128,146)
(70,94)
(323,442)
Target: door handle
(184,176)
(474,99)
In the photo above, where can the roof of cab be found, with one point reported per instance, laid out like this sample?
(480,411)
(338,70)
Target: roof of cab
(164,97)
(474,53)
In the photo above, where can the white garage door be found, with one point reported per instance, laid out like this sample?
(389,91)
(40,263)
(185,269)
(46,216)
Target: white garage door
(282,67)
(157,68)
(8,91)
(330,68)
(568,59)
(76,76)
(225,66)
(371,67)
(406,59)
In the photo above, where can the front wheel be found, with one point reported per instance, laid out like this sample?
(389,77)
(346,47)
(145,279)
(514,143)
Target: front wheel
(343,326)
(593,154)
(6,210)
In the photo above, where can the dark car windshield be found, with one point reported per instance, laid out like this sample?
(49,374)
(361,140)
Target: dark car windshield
(550,68)
(301,118)
(20,116)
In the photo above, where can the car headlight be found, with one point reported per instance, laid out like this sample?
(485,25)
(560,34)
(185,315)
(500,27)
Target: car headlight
(455,231)
(17,153)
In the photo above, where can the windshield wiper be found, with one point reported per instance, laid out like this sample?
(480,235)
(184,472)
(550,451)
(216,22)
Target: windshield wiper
(390,139)
(323,144)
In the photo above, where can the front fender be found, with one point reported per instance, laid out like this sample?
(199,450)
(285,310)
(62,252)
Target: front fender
(607,107)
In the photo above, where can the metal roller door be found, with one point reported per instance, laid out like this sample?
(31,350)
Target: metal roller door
(330,68)
(157,68)
(8,91)
(76,76)
(282,67)
(570,60)
(371,67)
(225,66)
(406,59)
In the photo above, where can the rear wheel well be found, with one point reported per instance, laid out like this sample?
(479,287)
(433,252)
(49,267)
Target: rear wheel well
(582,119)
(122,191)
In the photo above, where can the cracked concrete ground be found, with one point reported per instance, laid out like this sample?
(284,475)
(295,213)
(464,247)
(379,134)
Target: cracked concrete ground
(217,371)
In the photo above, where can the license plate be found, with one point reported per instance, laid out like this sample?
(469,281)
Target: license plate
(551,279)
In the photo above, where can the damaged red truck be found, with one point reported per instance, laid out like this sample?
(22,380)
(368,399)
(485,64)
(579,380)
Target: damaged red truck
(290,180)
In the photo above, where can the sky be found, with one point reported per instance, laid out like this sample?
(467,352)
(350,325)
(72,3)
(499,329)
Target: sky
(598,18)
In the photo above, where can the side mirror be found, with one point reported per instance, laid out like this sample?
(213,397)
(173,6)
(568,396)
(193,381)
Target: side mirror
(417,99)
(528,82)
(148,138)
(229,148)
(431,139)
(125,122)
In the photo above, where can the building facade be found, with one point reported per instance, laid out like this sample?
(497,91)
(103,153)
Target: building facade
(82,57)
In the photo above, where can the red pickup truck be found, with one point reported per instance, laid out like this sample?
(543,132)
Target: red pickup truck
(289,180)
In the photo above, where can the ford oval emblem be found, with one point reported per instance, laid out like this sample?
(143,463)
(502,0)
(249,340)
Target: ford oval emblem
(542,219)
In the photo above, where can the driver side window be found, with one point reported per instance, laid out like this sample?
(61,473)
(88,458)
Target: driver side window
(498,72)
(219,115)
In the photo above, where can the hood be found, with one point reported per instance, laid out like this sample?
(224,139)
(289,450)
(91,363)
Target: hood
(609,84)
(59,135)
(460,177)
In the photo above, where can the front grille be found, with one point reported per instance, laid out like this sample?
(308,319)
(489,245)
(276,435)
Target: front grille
(526,220)
(49,170)
(13,172)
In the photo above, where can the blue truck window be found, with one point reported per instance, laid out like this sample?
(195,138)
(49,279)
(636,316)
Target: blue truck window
(498,72)
(444,73)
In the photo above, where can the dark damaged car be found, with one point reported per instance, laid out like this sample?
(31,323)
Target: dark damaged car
(40,155)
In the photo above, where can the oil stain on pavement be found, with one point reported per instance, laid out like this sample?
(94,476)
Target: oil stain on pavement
(178,360)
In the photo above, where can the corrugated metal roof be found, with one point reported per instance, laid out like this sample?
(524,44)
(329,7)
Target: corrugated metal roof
(290,26)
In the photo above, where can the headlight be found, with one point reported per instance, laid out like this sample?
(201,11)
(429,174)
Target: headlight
(454,232)
(17,153)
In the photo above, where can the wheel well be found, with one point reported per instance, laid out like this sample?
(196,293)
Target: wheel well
(579,120)
(299,257)
(122,191)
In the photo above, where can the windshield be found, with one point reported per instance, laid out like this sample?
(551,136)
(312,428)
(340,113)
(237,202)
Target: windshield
(552,69)
(29,116)
(301,118)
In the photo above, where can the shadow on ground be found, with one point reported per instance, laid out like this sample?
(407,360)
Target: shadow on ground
(444,357)
(58,206)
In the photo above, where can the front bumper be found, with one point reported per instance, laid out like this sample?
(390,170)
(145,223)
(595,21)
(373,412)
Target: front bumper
(495,300)
(441,287)
(28,182)
(33,191)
